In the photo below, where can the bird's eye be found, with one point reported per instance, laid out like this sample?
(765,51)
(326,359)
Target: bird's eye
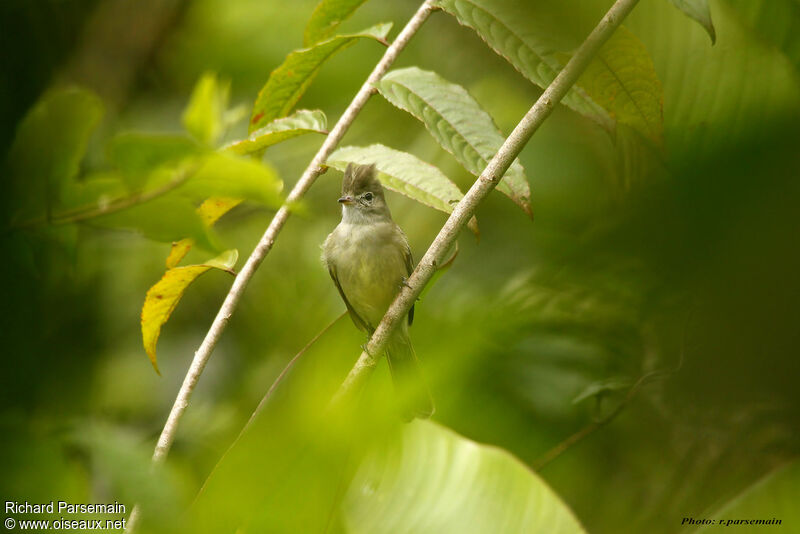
(368,197)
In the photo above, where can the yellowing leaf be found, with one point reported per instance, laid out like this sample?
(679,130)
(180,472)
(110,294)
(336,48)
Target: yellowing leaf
(215,207)
(162,298)
(178,251)
(209,211)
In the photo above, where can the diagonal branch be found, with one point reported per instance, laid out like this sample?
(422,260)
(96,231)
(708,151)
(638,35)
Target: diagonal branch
(314,169)
(487,181)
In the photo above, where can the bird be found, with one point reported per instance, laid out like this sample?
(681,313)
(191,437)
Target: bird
(368,257)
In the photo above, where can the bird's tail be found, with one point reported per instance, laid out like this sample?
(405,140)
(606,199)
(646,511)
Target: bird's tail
(412,390)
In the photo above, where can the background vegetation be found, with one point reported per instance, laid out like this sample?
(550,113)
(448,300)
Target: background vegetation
(662,280)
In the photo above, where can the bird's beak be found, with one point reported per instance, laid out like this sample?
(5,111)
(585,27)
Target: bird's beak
(346,200)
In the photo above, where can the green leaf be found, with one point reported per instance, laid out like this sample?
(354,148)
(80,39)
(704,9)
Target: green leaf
(162,298)
(164,219)
(623,80)
(136,154)
(204,117)
(636,159)
(434,481)
(405,174)
(326,18)
(122,460)
(457,122)
(49,146)
(773,497)
(301,122)
(92,193)
(227,175)
(738,92)
(534,52)
(288,82)
(699,11)
(775,22)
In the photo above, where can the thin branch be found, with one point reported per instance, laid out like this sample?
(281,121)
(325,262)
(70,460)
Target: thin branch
(314,169)
(487,181)
(589,429)
(83,214)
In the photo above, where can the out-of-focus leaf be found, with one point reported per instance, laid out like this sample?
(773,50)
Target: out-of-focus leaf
(230,176)
(435,481)
(95,192)
(48,148)
(636,158)
(722,95)
(121,460)
(534,52)
(209,211)
(288,82)
(326,18)
(204,117)
(775,21)
(773,497)
(699,11)
(623,80)
(295,454)
(601,388)
(137,154)
(457,122)
(301,122)
(162,298)
(406,174)
(444,264)
(164,219)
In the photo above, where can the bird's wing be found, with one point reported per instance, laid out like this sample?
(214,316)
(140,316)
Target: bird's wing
(409,269)
(359,322)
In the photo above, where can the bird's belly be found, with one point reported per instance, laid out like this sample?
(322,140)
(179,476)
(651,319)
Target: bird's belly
(370,272)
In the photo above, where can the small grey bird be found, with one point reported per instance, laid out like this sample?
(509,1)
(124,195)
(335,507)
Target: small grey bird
(368,257)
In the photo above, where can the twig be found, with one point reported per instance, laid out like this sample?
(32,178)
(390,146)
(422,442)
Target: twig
(82,214)
(589,429)
(480,189)
(314,169)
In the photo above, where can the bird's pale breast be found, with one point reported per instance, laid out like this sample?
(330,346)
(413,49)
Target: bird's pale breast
(370,264)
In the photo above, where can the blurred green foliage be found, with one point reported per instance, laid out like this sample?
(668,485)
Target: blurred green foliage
(677,260)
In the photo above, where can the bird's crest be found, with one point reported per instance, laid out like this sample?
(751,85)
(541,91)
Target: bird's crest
(361,178)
